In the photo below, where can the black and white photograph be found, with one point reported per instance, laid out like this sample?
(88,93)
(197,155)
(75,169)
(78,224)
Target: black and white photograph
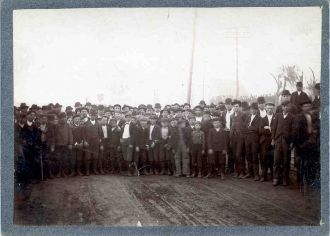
(167,116)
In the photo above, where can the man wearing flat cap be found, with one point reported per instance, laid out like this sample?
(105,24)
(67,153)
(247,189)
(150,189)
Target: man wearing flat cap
(298,96)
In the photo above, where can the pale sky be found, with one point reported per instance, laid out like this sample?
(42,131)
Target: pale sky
(143,55)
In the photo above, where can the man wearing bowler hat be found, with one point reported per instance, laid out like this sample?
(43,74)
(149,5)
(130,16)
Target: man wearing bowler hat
(298,96)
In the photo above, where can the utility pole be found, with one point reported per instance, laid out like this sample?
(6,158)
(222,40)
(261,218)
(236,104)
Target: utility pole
(237,33)
(192,57)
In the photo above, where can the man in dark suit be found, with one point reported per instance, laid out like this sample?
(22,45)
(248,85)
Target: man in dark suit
(305,139)
(226,120)
(127,142)
(266,149)
(91,134)
(114,147)
(251,124)
(237,138)
(298,96)
(154,140)
(141,142)
(78,142)
(286,96)
(104,157)
(282,139)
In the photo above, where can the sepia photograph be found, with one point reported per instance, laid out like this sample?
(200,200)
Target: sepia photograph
(167,116)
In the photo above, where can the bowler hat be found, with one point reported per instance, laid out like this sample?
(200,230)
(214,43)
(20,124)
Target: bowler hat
(285,103)
(254,106)
(285,93)
(236,102)
(261,100)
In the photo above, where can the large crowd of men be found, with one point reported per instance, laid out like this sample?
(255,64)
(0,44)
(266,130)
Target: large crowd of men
(232,138)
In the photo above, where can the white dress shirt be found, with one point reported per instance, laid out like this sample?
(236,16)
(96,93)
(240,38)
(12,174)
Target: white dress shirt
(150,131)
(228,114)
(126,131)
(93,122)
(263,113)
(269,117)
(285,115)
(164,133)
(105,131)
(199,118)
(252,117)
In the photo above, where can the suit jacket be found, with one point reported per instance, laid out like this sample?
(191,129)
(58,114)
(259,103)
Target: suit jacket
(292,109)
(252,131)
(141,137)
(297,99)
(31,135)
(283,127)
(114,136)
(237,125)
(217,141)
(174,141)
(132,128)
(77,133)
(155,134)
(63,135)
(265,134)
(91,135)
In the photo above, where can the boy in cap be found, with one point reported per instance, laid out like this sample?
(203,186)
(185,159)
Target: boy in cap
(197,149)
(217,146)
(266,149)
(91,136)
(78,142)
(180,140)
(63,140)
(282,139)
(252,142)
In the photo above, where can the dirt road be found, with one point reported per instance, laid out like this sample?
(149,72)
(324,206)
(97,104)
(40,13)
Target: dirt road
(164,201)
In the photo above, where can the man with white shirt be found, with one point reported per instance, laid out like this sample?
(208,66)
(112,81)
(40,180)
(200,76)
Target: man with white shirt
(226,120)
(157,109)
(127,141)
(266,149)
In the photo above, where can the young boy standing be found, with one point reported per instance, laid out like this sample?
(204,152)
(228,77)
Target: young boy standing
(197,147)
(217,148)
